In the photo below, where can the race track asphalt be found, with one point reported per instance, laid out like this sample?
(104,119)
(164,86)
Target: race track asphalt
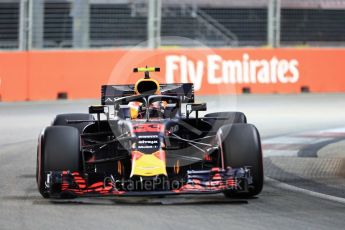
(21,206)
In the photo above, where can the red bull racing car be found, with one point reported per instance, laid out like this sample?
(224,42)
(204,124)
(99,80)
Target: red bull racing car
(147,139)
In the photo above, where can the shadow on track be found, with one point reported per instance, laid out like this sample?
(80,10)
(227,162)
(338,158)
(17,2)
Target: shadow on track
(133,201)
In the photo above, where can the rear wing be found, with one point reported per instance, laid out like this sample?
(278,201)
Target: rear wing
(185,91)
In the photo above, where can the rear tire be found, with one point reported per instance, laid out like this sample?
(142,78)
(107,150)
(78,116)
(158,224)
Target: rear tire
(241,146)
(58,150)
(62,120)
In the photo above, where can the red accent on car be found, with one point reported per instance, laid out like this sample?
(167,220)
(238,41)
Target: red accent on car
(160,155)
(148,128)
(136,155)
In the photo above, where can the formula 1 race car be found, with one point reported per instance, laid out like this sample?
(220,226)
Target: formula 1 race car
(143,140)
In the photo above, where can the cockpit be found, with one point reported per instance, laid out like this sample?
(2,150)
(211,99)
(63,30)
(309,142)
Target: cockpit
(151,107)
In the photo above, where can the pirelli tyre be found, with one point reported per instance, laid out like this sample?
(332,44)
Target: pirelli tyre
(223,118)
(58,150)
(240,146)
(62,120)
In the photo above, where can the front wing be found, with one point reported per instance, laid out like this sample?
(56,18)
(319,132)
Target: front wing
(60,184)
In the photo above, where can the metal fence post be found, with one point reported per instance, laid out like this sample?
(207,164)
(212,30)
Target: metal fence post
(81,19)
(23,29)
(36,15)
(154,23)
(277,24)
(273,23)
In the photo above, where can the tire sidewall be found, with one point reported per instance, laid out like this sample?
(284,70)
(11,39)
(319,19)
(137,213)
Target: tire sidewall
(240,146)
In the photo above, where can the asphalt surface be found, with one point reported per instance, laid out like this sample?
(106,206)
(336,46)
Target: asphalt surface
(21,206)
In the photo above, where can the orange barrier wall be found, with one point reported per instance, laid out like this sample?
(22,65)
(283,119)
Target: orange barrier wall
(13,76)
(41,75)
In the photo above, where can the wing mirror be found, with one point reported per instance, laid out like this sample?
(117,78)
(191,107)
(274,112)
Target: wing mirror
(195,107)
(96,109)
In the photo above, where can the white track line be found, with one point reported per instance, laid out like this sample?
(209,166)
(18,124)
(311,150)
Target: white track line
(292,188)
(290,145)
(283,140)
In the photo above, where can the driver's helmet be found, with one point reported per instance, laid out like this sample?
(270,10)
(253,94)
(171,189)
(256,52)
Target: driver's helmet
(135,110)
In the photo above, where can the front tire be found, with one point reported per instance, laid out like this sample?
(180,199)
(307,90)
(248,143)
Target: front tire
(58,150)
(219,119)
(241,146)
(232,117)
(62,120)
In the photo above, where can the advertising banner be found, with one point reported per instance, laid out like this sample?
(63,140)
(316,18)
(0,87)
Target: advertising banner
(43,75)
